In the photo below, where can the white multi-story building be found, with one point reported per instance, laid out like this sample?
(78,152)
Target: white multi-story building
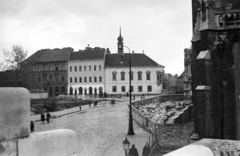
(86,72)
(96,71)
(146,74)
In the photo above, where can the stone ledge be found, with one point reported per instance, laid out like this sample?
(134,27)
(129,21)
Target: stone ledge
(209,147)
(60,142)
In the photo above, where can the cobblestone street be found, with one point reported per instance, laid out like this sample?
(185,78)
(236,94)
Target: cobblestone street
(98,128)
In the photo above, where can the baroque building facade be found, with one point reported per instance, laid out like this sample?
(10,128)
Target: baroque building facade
(146,74)
(215,68)
(47,70)
(86,72)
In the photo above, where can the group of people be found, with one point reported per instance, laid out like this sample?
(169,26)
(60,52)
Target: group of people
(47,117)
(134,152)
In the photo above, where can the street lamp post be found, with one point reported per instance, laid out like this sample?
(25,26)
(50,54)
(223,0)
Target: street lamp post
(126,145)
(130,125)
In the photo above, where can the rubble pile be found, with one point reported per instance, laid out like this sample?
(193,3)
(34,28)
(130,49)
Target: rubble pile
(160,112)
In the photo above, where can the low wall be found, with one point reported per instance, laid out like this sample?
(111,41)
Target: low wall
(209,147)
(38,95)
(15,137)
(14,113)
(59,142)
(169,136)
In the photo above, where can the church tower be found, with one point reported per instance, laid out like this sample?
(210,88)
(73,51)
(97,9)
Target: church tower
(215,68)
(120,44)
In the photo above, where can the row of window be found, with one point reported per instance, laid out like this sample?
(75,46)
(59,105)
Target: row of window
(86,79)
(79,68)
(50,67)
(139,88)
(51,77)
(139,76)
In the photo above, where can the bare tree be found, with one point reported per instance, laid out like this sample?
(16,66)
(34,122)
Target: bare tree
(12,59)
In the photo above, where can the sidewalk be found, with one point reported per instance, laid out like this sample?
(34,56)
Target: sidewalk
(64,112)
(139,140)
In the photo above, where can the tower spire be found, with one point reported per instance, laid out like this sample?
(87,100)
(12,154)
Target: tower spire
(120,43)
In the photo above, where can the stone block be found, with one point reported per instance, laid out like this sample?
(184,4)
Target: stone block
(191,150)
(14,113)
(8,147)
(60,142)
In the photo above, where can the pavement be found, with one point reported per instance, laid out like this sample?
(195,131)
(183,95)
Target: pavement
(112,142)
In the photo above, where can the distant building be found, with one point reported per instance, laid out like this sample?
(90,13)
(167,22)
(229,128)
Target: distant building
(187,78)
(215,68)
(146,76)
(86,71)
(48,70)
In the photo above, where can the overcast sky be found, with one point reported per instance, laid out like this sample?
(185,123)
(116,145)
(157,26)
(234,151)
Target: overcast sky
(162,28)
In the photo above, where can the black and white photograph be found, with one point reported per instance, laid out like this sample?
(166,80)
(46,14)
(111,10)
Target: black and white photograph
(119,77)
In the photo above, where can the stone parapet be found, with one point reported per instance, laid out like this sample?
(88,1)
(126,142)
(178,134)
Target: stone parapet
(60,142)
(209,147)
(14,113)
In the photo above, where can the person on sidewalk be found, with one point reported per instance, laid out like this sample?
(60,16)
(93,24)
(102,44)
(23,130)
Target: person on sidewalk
(42,118)
(133,151)
(48,117)
(89,103)
(80,107)
(32,126)
(146,150)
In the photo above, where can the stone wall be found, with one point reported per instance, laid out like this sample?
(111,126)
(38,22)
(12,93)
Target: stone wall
(169,136)
(209,147)
(15,136)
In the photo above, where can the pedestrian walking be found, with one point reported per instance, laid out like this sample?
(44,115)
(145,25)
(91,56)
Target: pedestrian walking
(146,150)
(48,117)
(42,118)
(89,103)
(133,151)
(32,126)
(80,107)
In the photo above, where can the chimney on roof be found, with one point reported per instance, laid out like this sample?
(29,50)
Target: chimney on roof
(133,51)
(108,51)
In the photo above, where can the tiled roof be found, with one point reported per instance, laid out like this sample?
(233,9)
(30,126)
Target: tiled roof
(137,60)
(91,54)
(55,55)
(33,58)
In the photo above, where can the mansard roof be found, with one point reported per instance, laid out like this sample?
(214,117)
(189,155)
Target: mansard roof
(137,60)
(88,54)
(55,55)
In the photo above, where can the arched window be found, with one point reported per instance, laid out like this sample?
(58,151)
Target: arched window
(148,75)
(63,90)
(90,90)
(90,79)
(70,79)
(70,68)
(85,79)
(80,68)
(85,68)
(114,76)
(95,78)
(95,67)
(80,79)
(80,90)
(100,67)
(71,91)
(221,21)
(100,78)
(139,75)
(90,67)
(122,75)
(75,91)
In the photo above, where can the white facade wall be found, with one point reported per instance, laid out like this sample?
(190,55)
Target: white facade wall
(85,85)
(109,83)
